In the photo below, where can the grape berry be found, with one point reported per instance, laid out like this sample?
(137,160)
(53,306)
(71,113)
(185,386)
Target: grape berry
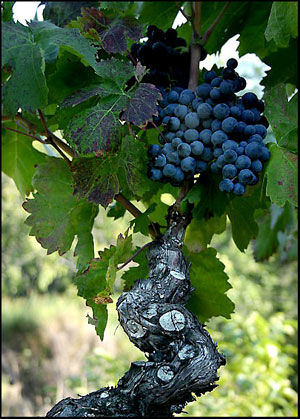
(213,130)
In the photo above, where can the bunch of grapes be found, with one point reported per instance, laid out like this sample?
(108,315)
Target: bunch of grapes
(161,53)
(213,130)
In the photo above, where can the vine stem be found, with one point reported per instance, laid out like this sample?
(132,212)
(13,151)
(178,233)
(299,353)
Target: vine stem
(23,121)
(195,47)
(128,205)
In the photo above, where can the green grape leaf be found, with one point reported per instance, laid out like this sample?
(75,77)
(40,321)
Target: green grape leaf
(115,74)
(117,70)
(84,94)
(95,178)
(230,24)
(46,33)
(96,283)
(26,88)
(185,31)
(133,161)
(92,281)
(154,196)
(69,76)
(122,252)
(275,59)
(252,39)
(207,197)
(116,210)
(282,116)
(19,159)
(282,176)
(136,272)
(100,316)
(84,249)
(159,13)
(283,23)
(278,220)
(54,209)
(116,6)
(142,105)
(200,231)
(249,19)
(141,223)
(241,214)
(211,283)
(6,11)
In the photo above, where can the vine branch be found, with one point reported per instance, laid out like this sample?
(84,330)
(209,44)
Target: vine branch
(26,134)
(50,139)
(31,128)
(198,13)
(195,47)
(128,205)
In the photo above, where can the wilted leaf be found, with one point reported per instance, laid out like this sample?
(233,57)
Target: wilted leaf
(96,130)
(114,37)
(142,105)
(95,178)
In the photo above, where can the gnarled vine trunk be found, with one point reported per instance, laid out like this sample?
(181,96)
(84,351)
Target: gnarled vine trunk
(182,357)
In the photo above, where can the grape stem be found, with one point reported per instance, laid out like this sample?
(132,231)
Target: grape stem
(133,256)
(158,130)
(214,24)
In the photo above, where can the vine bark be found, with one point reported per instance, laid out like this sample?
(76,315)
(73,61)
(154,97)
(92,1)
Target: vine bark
(182,358)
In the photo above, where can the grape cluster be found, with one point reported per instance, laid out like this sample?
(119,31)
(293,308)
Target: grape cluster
(162,55)
(213,130)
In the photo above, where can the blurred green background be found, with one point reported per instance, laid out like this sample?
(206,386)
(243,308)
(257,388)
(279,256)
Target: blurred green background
(49,350)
